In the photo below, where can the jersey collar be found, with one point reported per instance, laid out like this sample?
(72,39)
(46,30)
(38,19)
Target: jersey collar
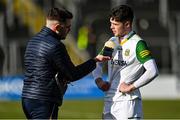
(127,37)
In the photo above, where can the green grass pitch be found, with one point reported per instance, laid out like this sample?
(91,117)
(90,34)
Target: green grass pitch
(92,109)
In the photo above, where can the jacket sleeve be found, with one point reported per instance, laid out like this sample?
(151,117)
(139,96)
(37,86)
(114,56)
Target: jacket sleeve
(67,68)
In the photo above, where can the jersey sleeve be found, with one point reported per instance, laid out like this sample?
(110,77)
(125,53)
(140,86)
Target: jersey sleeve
(97,73)
(142,52)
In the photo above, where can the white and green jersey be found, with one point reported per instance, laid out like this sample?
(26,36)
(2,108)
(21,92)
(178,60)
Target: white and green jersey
(126,65)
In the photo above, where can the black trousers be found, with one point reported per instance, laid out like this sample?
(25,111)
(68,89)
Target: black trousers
(39,109)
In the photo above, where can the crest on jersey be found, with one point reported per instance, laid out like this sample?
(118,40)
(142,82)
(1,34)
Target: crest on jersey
(127,52)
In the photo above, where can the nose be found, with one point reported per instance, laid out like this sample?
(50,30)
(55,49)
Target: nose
(68,30)
(111,27)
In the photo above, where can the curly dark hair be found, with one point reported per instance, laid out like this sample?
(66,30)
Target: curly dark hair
(122,13)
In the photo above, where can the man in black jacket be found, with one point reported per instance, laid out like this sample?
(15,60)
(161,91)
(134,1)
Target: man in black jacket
(45,56)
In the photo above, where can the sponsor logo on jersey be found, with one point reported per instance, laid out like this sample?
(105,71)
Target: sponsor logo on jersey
(118,62)
(127,52)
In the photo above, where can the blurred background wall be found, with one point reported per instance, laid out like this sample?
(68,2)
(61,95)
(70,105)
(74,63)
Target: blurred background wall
(157,21)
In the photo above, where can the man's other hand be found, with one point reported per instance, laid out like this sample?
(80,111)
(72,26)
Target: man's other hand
(103,85)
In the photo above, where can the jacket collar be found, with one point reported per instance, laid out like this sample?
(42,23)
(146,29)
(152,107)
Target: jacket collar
(47,31)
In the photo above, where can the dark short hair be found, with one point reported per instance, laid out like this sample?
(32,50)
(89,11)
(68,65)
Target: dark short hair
(60,14)
(122,13)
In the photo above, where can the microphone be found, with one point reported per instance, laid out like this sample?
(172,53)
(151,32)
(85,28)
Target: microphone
(108,48)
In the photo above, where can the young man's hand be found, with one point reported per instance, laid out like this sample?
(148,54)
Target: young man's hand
(102,85)
(126,88)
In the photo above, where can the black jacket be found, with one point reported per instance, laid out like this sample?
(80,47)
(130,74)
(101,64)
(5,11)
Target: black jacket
(45,56)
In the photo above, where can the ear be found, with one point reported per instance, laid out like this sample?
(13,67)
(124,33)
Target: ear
(127,24)
(56,27)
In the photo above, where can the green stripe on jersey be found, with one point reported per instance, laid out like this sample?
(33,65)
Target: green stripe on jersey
(142,52)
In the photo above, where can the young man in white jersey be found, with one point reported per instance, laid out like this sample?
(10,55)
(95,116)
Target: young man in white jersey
(131,67)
